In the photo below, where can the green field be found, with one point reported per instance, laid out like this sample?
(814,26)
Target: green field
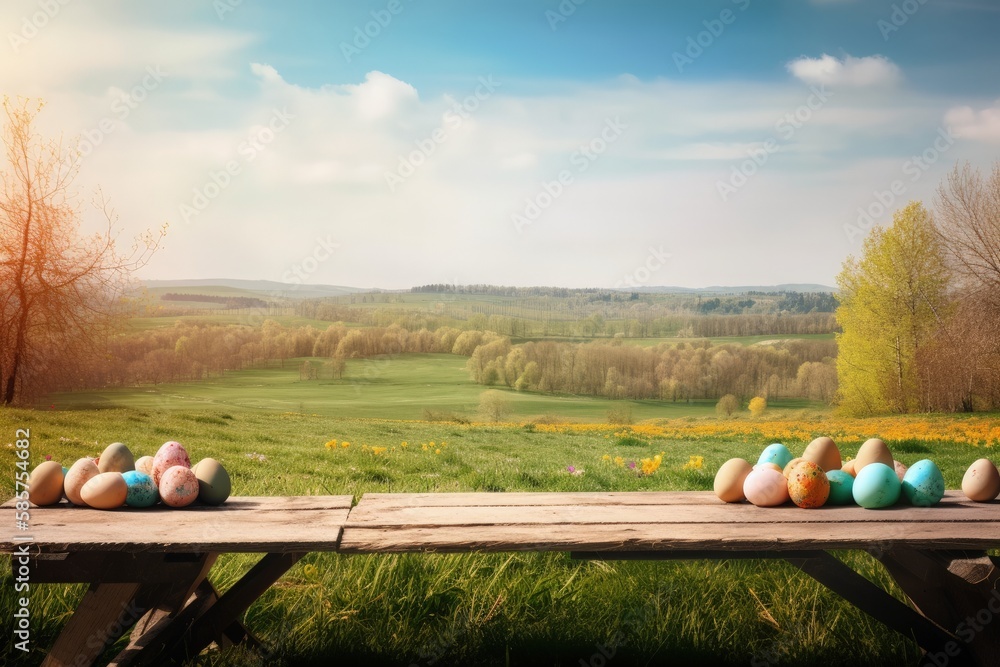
(535,609)
(401,387)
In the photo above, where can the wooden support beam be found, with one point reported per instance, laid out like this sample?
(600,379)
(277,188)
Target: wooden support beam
(104,614)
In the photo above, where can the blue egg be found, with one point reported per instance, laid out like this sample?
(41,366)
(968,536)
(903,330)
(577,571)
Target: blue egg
(923,484)
(877,485)
(141,490)
(776,453)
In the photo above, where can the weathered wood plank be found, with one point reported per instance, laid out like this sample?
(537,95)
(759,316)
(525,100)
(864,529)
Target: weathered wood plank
(664,536)
(503,499)
(249,525)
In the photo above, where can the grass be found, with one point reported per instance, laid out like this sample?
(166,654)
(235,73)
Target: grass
(401,387)
(528,608)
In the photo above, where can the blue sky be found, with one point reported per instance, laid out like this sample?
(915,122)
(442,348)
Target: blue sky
(496,142)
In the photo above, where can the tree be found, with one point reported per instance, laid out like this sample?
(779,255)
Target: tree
(60,293)
(758,404)
(494,405)
(891,302)
(727,405)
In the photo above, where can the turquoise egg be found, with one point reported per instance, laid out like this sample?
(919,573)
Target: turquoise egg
(141,490)
(841,488)
(877,485)
(923,484)
(776,453)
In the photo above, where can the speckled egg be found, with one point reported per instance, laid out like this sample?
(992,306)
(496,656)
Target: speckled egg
(876,486)
(105,491)
(808,486)
(178,486)
(841,488)
(729,480)
(169,455)
(791,464)
(116,457)
(981,482)
(79,474)
(45,484)
(141,490)
(777,454)
(765,487)
(923,484)
(214,485)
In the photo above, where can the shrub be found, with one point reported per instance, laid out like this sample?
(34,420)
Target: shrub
(620,415)
(727,405)
(494,405)
(758,404)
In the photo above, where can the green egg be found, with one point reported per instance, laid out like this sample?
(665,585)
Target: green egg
(923,484)
(214,485)
(841,488)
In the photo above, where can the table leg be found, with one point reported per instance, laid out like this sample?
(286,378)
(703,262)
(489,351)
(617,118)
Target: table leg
(104,614)
(960,591)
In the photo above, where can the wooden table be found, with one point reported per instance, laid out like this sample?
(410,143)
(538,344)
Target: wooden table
(133,559)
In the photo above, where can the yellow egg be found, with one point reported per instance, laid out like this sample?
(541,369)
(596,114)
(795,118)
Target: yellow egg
(729,480)
(78,475)
(823,452)
(981,482)
(116,457)
(106,491)
(873,451)
(45,485)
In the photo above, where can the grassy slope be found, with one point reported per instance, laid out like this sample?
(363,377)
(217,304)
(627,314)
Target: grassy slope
(392,388)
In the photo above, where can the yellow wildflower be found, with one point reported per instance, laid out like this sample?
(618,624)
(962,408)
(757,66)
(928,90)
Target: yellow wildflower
(606,457)
(404,444)
(379,450)
(694,463)
(310,570)
(345,445)
(620,462)
(649,466)
(332,444)
(437,451)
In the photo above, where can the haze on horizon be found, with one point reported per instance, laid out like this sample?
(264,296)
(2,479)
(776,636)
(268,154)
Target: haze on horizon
(512,144)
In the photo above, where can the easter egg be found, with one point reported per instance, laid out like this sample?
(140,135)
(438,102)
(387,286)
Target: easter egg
(765,487)
(777,454)
(178,486)
(823,452)
(145,464)
(141,490)
(981,482)
(729,480)
(808,486)
(791,464)
(116,457)
(170,454)
(770,465)
(79,474)
(923,484)
(45,484)
(841,488)
(873,451)
(105,491)
(848,467)
(876,486)
(900,469)
(214,485)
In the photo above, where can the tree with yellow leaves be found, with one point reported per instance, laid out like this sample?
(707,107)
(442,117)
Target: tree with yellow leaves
(892,300)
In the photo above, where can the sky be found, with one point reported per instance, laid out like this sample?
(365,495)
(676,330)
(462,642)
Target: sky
(577,143)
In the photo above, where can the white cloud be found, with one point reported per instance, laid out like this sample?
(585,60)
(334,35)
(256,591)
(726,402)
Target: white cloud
(860,72)
(982,125)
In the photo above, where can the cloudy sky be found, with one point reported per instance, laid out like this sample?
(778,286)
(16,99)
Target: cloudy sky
(389,143)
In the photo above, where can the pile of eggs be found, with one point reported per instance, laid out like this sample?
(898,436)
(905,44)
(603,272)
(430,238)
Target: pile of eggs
(116,479)
(820,477)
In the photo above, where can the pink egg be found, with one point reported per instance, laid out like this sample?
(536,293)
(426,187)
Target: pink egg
(178,486)
(169,455)
(766,487)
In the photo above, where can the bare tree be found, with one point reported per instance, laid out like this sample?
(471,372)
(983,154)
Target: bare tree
(60,292)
